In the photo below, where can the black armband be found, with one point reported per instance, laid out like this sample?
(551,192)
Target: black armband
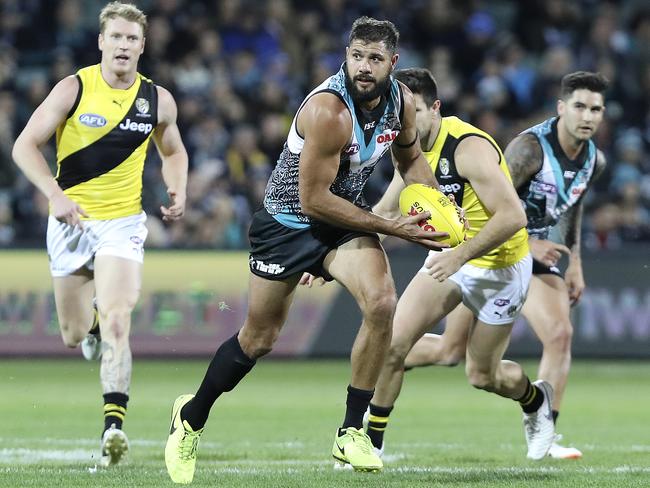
(406,146)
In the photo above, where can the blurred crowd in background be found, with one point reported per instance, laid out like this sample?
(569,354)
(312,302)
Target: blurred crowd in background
(239,70)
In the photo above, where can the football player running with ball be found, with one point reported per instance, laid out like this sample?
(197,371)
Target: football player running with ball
(489,273)
(552,166)
(315,219)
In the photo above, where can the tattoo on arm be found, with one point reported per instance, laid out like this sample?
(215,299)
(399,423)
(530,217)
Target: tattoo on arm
(573,235)
(524,158)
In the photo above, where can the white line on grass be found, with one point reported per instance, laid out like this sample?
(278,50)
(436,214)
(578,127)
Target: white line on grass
(41,451)
(300,445)
(48,441)
(36,456)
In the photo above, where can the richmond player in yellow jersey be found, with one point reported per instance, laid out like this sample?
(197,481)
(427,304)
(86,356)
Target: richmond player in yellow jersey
(104,117)
(489,273)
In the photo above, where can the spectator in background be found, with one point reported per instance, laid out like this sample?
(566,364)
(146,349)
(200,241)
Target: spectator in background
(7,229)
(602,233)
(8,67)
(634,218)
(72,33)
(7,138)
(449,81)
(519,74)
(555,63)
(248,166)
(630,166)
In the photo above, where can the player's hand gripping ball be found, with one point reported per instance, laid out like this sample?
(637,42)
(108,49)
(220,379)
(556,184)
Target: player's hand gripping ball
(418,198)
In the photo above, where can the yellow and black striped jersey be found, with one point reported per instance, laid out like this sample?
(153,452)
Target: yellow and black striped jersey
(441,159)
(102,145)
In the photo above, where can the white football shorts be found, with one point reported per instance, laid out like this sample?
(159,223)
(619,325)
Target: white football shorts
(494,295)
(70,248)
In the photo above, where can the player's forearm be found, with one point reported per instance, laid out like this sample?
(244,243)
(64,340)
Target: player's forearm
(385,212)
(418,171)
(574,241)
(34,166)
(575,254)
(174,171)
(388,206)
(574,235)
(501,227)
(339,212)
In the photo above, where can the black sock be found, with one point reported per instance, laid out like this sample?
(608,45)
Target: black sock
(357,404)
(377,422)
(229,365)
(532,398)
(114,409)
(556,414)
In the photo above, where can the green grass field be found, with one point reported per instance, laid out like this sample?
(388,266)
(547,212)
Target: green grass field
(277,429)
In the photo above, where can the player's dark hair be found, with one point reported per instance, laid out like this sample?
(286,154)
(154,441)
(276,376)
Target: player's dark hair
(420,81)
(578,80)
(368,29)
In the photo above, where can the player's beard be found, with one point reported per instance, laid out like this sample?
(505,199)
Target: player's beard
(365,96)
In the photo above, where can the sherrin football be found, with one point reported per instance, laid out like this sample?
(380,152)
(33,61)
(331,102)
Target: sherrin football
(418,198)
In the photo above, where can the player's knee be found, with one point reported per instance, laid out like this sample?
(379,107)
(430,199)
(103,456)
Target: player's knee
(378,307)
(71,334)
(561,337)
(258,343)
(263,344)
(258,348)
(449,360)
(116,324)
(396,356)
(452,356)
(72,340)
(482,380)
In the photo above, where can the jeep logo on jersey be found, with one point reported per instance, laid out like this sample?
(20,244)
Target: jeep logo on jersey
(136,126)
(450,188)
(92,120)
(142,104)
(390,137)
(444,166)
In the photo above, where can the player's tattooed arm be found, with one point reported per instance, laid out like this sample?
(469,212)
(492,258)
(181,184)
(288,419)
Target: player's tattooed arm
(601,163)
(574,226)
(524,158)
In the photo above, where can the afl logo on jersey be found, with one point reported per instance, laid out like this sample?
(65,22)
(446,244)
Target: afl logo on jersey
(353,149)
(92,120)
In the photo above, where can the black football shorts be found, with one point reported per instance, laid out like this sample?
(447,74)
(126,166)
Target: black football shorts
(278,251)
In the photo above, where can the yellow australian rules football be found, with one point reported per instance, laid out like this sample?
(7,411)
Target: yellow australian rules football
(418,198)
